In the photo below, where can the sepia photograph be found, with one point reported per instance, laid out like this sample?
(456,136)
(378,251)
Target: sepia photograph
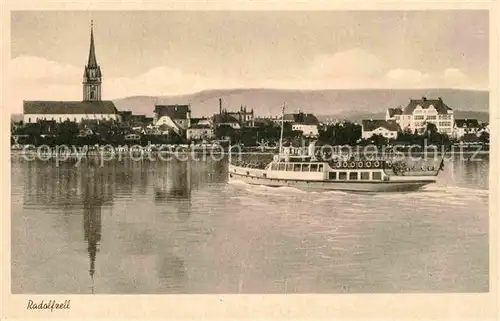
(226,152)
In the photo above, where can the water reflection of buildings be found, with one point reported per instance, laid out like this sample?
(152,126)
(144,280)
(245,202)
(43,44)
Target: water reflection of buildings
(51,187)
(67,189)
(173,181)
(131,176)
(89,189)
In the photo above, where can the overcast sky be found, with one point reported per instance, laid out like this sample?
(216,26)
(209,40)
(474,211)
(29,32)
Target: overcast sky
(160,53)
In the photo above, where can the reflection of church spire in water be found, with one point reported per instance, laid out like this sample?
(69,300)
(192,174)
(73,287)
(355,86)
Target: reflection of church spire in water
(92,225)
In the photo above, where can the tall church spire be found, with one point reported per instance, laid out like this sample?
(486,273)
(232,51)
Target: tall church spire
(92,63)
(92,76)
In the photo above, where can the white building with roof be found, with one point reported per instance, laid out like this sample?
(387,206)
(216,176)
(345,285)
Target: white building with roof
(386,128)
(465,126)
(306,123)
(199,132)
(420,112)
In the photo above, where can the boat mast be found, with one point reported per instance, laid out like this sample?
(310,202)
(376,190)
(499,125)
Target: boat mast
(281,135)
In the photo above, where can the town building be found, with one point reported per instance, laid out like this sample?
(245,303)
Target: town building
(202,121)
(485,128)
(465,126)
(394,114)
(264,122)
(420,112)
(199,132)
(244,117)
(134,120)
(225,120)
(200,129)
(175,117)
(90,108)
(386,128)
(306,123)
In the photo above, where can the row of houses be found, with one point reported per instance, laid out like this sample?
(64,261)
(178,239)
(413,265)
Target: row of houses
(178,118)
(416,117)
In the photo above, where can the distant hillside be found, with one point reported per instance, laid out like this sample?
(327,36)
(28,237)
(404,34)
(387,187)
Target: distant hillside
(344,103)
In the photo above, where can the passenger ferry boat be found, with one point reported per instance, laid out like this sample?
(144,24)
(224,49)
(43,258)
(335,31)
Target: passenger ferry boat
(306,171)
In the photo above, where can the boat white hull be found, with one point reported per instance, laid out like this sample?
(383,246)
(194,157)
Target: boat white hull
(402,184)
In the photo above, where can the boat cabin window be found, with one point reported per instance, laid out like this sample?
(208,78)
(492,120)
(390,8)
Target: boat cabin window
(296,167)
(314,167)
(365,175)
(342,175)
(305,167)
(320,167)
(282,166)
(377,176)
(289,167)
(332,175)
(353,176)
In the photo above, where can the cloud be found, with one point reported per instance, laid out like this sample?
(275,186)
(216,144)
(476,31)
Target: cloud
(407,78)
(410,78)
(34,78)
(454,76)
(27,69)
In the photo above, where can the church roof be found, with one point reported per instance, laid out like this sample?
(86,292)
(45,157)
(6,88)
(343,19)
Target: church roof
(92,63)
(86,72)
(69,107)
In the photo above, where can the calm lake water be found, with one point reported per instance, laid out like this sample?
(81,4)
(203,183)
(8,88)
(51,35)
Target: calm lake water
(178,227)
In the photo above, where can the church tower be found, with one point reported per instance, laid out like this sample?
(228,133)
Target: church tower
(92,76)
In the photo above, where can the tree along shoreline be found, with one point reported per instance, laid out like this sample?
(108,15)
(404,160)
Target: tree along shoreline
(265,136)
(92,150)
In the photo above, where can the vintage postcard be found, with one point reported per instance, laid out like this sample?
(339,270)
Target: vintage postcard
(284,161)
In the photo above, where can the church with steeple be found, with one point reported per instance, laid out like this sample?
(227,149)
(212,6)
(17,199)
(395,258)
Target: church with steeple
(91,107)
(92,77)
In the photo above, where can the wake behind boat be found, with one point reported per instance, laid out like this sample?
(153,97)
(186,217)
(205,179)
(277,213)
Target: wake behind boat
(304,170)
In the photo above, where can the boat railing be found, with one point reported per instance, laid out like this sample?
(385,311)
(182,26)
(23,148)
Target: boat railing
(406,168)
(250,164)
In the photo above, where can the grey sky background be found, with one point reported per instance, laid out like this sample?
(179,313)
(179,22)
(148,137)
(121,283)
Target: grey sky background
(176,52)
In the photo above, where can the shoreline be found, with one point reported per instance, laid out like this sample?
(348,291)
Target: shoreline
(215,152)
